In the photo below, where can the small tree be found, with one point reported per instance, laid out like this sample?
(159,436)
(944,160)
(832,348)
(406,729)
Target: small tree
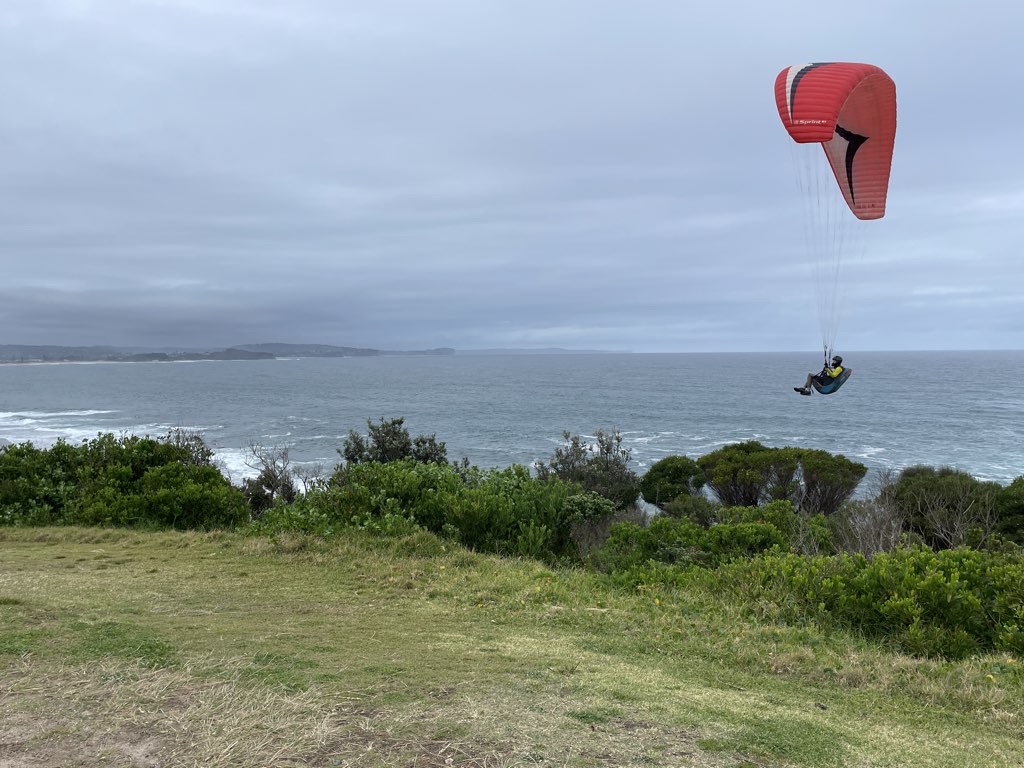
(192,446)
(601,466)
(390,441)
(311,475)
(943,506)
(746,474)
(828,481)
(427,450)
(356,449)
(274,481)
(670,478)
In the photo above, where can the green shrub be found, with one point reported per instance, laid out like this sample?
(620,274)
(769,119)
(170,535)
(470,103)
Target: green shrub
(37,485)
(670,478)
(420,492)
(390,441)
(801,532)
(745,474)
(508,511)
(682,542)
(701,510)
(503,511)
(727,542)
(748,474)
(1010,508)
(827,481)
(595,516)
(777,513)
(311,514)
(943,505)
(121,481)
(601,467)
(952,603)
(665,540)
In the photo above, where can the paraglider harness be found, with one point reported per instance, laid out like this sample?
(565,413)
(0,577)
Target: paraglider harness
(829,385)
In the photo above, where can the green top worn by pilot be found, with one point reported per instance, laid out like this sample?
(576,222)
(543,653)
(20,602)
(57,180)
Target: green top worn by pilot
(827,375)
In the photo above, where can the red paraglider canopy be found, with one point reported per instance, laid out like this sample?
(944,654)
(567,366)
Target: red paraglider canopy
(851,110)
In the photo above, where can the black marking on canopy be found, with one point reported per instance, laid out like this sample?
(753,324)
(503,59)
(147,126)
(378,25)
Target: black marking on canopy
(796,81)
(853,143)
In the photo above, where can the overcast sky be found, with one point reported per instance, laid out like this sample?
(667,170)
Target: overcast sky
(476,173)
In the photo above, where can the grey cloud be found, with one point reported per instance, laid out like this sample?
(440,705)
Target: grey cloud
(400,174)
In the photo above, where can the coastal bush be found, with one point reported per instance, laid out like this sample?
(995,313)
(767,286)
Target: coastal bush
(747,474)
(504,511)
(697,508)
(826,481)
(592,517)
(683,542)
(946,507)
(125,481)
(665,540)
(802,532)
(112,459)
(489,512)
(190,446)
(733,532)
(779,514)
(867,527)
(670,478)
(390,441)
(266,489)
(601,466)
(310,514)
(1010,511)
(423,493)
(37,485)
(952,603)
(174,495)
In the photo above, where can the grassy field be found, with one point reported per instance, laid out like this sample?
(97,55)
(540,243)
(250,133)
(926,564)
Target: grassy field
(167,649)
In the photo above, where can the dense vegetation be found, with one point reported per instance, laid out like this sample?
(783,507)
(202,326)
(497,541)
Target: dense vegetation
(928,562)
(118,481)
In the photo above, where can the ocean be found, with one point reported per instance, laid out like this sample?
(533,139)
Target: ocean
(961,409)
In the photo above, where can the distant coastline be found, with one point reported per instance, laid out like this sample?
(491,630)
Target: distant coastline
(27,353)
(42,353)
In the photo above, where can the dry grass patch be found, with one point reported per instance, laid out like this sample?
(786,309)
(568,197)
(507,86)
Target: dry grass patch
(120,715)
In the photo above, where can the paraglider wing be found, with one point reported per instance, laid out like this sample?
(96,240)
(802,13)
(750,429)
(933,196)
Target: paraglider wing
(850,109)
